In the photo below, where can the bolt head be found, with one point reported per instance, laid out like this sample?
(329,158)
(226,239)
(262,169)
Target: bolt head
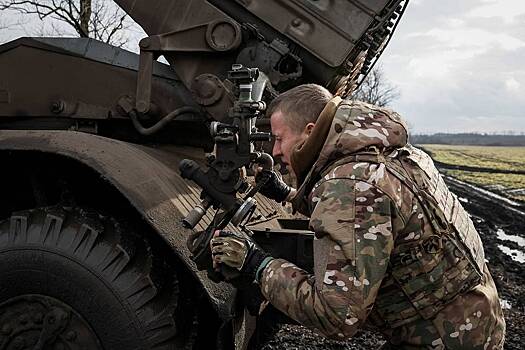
(58,107)
(142,107)
(296,22)
(145,43)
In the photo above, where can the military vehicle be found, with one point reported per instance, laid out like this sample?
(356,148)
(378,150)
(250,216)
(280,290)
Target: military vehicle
(94,210)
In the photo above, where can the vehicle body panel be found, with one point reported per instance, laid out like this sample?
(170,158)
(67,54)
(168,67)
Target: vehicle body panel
(146,176)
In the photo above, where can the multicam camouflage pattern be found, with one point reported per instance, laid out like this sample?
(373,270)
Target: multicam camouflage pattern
(229,249)
(394,250)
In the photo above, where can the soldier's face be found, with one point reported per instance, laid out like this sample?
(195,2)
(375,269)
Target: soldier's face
(285,137)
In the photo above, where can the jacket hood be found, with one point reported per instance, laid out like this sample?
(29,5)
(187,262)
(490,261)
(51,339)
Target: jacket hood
(356,127)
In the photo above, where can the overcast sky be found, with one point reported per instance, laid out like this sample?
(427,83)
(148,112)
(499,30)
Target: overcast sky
(460,65)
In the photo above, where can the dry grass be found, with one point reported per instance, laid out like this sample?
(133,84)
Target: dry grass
(500,158)
(496,157)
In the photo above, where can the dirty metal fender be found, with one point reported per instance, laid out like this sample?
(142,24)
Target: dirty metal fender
(148,177)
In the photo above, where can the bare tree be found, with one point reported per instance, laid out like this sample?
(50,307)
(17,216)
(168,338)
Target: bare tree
(376,89)
(98,19)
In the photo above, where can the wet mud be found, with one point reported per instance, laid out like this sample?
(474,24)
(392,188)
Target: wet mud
(501,226)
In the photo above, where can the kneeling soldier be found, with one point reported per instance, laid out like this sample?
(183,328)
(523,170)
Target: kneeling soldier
(394,249)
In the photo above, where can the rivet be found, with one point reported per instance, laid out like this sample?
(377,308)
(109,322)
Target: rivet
(296,22)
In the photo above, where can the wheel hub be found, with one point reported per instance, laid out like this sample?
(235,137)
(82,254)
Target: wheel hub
(40,322)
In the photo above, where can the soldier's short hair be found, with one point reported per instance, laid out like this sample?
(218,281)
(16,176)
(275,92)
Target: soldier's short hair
(300,105)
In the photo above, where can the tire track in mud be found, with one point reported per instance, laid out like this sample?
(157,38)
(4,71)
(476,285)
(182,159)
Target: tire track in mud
(499,220)
(483,198)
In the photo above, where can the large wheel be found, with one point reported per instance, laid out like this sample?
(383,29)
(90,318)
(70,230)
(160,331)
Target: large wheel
(70,279)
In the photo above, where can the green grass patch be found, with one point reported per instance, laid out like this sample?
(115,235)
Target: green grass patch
(499,158)
(506,158)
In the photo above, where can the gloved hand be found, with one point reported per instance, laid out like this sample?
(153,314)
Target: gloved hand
(274,188)
(240,253)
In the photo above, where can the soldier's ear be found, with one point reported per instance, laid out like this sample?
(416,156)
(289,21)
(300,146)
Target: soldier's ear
(308,128)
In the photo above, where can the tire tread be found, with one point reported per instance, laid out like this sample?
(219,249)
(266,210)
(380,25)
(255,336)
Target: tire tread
(95,241)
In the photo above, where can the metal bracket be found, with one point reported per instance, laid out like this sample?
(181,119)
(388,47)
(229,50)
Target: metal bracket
(218,35)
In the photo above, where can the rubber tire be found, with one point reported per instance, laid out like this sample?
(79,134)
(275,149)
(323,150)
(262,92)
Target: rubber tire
(85,261)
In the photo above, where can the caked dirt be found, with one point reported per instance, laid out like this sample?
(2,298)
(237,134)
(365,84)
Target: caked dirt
(502,228)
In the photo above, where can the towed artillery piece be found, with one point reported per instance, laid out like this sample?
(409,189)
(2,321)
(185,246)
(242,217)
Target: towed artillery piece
(94,213)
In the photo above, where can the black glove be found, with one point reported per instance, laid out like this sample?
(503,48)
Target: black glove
(240,253)
(274,187)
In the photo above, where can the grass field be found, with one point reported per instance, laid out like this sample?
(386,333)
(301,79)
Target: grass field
(497,158)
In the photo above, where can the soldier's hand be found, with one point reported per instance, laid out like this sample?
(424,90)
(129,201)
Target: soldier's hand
(240,253)
(274,187)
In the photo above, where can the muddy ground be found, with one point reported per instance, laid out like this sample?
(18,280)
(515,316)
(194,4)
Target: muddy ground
(501,225)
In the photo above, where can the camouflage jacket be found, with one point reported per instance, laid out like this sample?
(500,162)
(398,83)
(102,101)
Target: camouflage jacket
(394,250)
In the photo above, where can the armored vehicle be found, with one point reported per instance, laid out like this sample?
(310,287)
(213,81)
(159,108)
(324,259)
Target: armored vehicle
(94,212)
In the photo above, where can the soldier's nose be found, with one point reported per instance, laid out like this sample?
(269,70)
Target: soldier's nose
(276,152)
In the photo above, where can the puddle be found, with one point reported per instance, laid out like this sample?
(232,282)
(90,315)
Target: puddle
(478,220)
(502,236)
(505,304)
(515,255)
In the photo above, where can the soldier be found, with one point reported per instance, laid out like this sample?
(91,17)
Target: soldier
(393,250)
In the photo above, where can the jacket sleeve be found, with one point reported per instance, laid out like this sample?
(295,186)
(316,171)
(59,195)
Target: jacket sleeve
(353,241)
